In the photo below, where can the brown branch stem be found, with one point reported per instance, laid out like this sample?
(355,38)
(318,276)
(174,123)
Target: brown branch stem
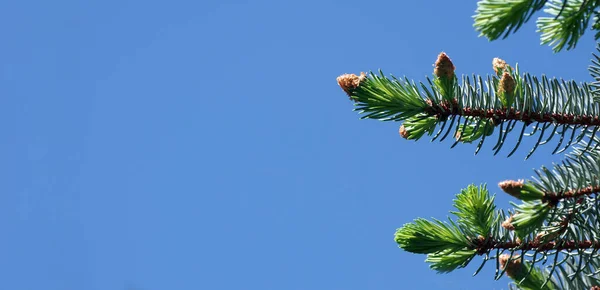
(555,197)
(484,245)
(444,110)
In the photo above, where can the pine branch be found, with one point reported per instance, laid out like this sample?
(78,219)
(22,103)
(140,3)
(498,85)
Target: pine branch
(524,274)
(449,245)
(555,197)
(483,246)
(570,207)
(558,224)
(565,25)
(480,231)
(475,109)
(498,18)
(594,69)
(577,176)
(567,22)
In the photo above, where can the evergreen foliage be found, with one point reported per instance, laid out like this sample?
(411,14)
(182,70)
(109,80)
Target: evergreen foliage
(551,238)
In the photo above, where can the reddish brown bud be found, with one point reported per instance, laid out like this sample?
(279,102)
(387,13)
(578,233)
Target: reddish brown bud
(403,132)
(349,82)
(507,224)
(507,84)
(513,267)
(521,190)
(444,68)
(499,65)
(512,187)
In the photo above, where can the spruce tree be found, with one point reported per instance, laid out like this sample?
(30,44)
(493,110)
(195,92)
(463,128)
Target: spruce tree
(551,238)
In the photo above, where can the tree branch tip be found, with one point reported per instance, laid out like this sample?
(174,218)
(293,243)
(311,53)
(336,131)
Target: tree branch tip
(403,132)
(444,68)
(499,65)
(349,82)
(512,187)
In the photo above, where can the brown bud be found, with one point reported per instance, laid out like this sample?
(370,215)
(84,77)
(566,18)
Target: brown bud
(512,187)
(595,288)
(349,82)
(507,84)
(521,190)
(444,67)
(403,132)
(507,224)
(513,267)
(499,65)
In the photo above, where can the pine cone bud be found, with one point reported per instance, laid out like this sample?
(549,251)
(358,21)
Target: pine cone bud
(349,82)
(444,68)
(507,84)
(499,65)
(507,224)
(521,190)
(512,187)
(513,268)
(403,132)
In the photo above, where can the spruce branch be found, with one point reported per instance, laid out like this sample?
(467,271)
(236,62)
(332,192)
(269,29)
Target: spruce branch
(552,239)
(479,230)
(558,245)
(425,237)
(555,197)
(450,245)
(529,216)
(524,275)
(594,70)
(577,176)
(476,109)
(565,24)
(500,18)
(475,210)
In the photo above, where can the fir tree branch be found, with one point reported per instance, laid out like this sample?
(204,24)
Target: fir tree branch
(483,246)
(475,109)
(555,197)
(567,22)
(444,110)
(525,276)
(500,18)
(577,176)
(529,192)
(480,231)
(594,68)
(565,25)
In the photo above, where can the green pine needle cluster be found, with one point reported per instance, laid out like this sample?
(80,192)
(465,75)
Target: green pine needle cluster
(566,23)
(551,238)
(449,245)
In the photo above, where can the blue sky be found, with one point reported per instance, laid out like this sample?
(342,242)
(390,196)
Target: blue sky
(206,145)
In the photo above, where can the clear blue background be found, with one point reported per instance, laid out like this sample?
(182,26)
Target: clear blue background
(206,145)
